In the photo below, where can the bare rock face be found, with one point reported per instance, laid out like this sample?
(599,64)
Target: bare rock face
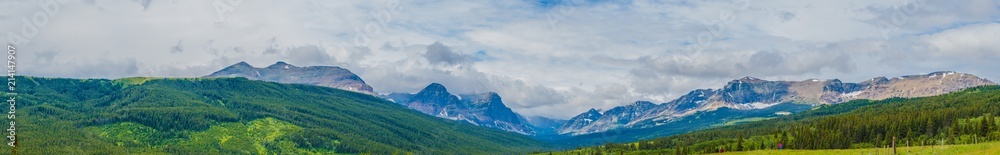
(922,85)
(750,93)
(281,72)
(486,109)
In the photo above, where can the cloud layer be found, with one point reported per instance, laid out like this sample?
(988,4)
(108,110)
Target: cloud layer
(547,58)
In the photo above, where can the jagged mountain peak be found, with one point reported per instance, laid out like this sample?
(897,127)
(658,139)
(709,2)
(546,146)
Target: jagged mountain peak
(592,110)
(486,109)
(489,98)
(434,90)
(578,123)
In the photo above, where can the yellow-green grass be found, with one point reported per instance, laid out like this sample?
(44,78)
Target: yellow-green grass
(744,120)
(970,149)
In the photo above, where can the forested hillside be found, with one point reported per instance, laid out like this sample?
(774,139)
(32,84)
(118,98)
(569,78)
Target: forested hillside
(963,117)
(233,116)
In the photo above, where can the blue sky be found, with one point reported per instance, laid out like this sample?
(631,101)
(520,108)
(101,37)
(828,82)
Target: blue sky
(545,57)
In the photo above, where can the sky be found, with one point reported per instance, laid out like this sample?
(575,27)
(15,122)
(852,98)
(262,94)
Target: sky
(553,58)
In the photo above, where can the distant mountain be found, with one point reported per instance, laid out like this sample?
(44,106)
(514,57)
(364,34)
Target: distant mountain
(281,72)
(751,93)
(939,120)
(485,109)
(397,97)
(611,118)
(543,125)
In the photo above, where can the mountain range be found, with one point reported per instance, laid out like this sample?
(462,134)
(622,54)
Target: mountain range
(486,109)
(751,93)
(740,97)
(281,72)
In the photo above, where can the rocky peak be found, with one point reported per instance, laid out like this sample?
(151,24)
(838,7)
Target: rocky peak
(592,114)
(749,90)
(692,100)
(749,79)
(434,87)
(836,85)
(488,99)
(593,111)
(578,123)
(434,91)
(876,81)
(486,109)
(281,65)
(241,69)
(242,64)
(745,81)
(635,106)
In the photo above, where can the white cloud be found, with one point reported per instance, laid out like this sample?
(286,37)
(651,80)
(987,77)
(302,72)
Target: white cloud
(977,40)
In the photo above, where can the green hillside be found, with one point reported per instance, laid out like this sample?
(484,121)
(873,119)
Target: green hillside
(963,117)
(233,116)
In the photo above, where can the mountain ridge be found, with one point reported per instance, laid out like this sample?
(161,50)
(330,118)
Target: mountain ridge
(282,72)
(750,93)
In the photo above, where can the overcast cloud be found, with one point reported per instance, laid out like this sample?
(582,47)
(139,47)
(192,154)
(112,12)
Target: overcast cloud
(553,58)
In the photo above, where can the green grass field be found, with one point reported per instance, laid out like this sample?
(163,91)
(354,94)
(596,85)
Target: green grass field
(970,149)
(989,148)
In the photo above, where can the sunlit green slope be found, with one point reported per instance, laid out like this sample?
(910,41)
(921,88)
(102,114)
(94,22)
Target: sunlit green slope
(232,116)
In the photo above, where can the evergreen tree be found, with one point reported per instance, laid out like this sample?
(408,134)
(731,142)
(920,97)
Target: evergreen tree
(929,128)
(739,142)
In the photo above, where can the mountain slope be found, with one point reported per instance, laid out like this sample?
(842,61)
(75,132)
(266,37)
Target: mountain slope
(233,116)
(487,109)
(281,72)
(752,93)
(580,121)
